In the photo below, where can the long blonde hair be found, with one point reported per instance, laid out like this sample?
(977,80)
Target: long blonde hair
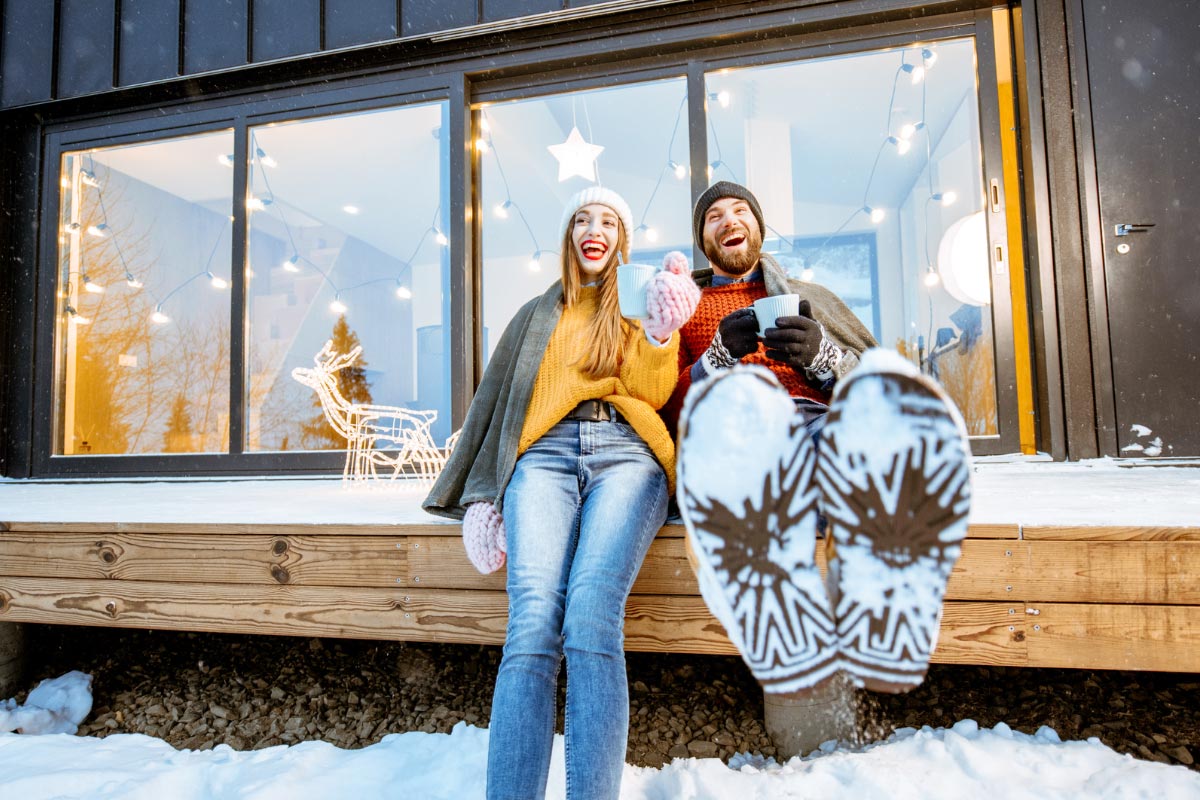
(607,328)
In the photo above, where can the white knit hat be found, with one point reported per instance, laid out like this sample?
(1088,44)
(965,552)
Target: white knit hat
(605,197)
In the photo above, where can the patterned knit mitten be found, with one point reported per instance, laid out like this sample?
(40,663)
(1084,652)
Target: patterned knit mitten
(483,537)
(671,297)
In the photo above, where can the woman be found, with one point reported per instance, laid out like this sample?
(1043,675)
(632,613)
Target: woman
(564,439)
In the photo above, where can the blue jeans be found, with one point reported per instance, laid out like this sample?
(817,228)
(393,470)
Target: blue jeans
(583,505)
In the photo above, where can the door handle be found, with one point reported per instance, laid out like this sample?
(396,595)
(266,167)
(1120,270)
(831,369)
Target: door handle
(1126,228)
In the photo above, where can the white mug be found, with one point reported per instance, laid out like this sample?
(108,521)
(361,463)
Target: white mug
(769,309)
(632,282)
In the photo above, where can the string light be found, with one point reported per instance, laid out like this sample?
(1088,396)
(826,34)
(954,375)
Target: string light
(265,159)
(931,279)
(158,317)
(337,306)
(292,264)
(501,209)
(90,285)
(403,292)
(945,198)
(438,236)
(679,169)
(257,203)
(225,160)
(481,145)
(351,210)
(877,215)
(217,281)
(99,231)
(88,178)
(807,275)
(535,262)
(131,281)
(76,317)
(722,97)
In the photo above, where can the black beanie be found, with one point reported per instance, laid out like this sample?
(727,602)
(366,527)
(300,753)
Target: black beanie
(714,193)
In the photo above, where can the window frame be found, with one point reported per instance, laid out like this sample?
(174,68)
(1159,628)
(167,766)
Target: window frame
(228,114)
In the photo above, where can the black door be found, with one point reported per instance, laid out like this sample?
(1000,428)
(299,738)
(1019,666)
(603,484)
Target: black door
(1143,60)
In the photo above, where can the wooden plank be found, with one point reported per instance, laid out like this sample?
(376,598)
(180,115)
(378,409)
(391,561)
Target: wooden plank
(972,633)
(432,528)
(986,571)
(436,562)
(1139,572)
(1142,637)
(994,531)
(1120,533)
(305,560)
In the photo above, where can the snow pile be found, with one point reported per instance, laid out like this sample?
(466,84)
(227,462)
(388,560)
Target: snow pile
(929,764)
(56,705)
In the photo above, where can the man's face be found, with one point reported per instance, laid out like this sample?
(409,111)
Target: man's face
(732,239)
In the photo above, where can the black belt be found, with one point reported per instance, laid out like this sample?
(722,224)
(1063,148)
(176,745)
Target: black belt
(595,411)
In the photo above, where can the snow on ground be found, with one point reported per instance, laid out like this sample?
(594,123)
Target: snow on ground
(962,761)
(956,763)
(1026,491)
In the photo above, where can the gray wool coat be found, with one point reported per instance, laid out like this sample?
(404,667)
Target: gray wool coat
(483,460)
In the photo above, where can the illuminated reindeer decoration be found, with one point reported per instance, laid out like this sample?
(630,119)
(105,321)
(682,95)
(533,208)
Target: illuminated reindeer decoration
(383,443)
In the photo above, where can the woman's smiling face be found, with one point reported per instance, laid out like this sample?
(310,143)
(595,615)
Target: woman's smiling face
(594,233)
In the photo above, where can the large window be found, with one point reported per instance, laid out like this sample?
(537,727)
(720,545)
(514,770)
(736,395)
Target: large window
(143,311)
(870,173)
(347,244)
(344,242)
(536,153)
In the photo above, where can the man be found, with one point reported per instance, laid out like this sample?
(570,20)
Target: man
(808,424)
(807,352)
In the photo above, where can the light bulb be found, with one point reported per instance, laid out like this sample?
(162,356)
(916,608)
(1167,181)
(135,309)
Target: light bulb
(930,57)
(132,282)
(535,262)
(159,318)
(877,215)
(90,285)
(948,198)
(256,204)
(917,74)
(217,281)
(651,235)
(225,159)
(484,125)
(907,131)
(265,159)
(932,278)
(501,209)
(403,292)
(99,231)
(723,97)
(903,146)
(291,264)
(89,178)
(481,145)
(807,275)
(337,306)
(679,169)
(440,237)
(351,210)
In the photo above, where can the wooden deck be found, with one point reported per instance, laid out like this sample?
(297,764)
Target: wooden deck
(1108,597)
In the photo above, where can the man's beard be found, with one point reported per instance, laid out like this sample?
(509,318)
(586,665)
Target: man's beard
(739,263)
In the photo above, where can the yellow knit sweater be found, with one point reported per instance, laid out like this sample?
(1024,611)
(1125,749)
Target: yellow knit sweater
(647,378)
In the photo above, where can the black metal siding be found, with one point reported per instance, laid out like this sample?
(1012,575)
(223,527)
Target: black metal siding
(27,62)
(351,22)
(214,34)
(423,16)
(285,28)
(86,37)
(148,39)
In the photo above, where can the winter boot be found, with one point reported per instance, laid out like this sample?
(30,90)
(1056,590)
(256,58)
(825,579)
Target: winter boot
(749,501)
(894,473)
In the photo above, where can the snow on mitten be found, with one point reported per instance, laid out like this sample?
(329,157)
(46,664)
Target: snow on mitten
(671,297)
(483,537)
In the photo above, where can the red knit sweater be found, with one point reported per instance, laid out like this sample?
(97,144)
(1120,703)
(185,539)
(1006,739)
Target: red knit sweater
(697,334)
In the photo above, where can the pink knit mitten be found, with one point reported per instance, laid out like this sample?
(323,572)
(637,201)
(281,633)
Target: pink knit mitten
(671,297)
(483,537)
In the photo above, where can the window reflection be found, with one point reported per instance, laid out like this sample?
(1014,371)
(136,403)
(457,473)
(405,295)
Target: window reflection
(536,153)
(347,243)
(142,361)
(869,171)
